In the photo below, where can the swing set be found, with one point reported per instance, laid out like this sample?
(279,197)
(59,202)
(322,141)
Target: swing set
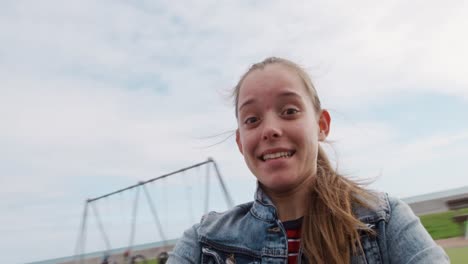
(128,256)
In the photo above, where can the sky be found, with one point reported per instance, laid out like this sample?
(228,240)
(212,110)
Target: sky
(98,95)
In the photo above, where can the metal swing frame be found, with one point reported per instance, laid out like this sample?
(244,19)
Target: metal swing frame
(81,242)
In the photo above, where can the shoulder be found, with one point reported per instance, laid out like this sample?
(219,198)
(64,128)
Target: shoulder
(188,248)
(402,238)
(406,238)
(221,220)
(382,207)
(399,209)
(234,212)
(378,208)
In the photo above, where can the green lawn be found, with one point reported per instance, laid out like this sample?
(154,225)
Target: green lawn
(441,225)
(458,255)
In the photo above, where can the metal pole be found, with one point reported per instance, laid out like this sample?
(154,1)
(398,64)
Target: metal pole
(80,249)
(226,193)
(135,208)
(101,227)
(207,188)
(80,244)
(155,215)
(151,180)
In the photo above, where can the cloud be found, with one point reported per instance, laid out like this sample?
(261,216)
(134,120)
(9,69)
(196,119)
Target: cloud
(98,95)
(376,151)
(172,42)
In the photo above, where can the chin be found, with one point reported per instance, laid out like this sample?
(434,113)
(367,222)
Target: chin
(278,184)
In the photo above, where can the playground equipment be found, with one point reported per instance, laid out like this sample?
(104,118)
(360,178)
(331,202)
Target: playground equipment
(141,186)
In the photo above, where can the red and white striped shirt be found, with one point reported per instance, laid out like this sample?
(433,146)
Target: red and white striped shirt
(293,232)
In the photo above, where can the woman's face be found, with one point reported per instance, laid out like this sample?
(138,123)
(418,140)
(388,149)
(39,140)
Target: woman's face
(278,128)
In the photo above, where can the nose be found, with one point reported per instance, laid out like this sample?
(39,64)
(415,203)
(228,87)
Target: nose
(271,129)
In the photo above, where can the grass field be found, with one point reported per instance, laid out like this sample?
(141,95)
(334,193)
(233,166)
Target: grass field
(458,255)
(441,225)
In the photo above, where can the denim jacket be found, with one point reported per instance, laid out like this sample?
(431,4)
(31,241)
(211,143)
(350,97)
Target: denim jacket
(252,233)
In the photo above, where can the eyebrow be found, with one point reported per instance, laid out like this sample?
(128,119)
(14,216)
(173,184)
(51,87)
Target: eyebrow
(283,94)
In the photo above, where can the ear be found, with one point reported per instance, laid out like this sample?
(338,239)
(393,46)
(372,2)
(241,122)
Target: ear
(238,141)
(324,125)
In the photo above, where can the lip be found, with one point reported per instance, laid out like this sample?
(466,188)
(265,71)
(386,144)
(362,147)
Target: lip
(275,150)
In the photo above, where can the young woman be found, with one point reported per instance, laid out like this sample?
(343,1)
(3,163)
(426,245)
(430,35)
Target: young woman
(304,211)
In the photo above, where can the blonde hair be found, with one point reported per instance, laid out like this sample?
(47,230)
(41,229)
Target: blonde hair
(330,230)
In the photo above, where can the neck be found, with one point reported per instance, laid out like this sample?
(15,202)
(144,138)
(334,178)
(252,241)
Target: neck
(291,204)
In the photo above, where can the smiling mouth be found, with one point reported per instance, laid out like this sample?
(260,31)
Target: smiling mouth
(277,155)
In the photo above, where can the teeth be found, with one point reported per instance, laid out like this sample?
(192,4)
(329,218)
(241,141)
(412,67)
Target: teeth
(276,155)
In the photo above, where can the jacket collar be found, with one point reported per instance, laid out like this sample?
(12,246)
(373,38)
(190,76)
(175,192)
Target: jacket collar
(263,208)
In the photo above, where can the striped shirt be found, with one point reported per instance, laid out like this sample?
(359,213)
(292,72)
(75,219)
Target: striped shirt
(293,232)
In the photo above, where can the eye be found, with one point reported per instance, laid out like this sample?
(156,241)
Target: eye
(251,120)
(290,111)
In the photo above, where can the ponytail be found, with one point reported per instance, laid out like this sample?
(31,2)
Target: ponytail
(330,231)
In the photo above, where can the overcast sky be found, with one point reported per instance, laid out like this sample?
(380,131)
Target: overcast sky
(97,95)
